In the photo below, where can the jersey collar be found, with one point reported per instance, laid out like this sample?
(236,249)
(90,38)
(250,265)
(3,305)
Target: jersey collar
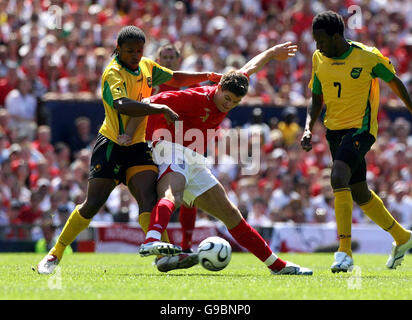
(135,73)
(346,54)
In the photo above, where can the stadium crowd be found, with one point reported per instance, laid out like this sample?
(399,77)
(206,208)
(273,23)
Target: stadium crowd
(58,49)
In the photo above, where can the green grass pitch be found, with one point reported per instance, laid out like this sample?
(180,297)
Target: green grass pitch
(83,276)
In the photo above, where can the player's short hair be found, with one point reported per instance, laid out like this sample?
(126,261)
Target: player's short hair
(329,21)
(130,33)
(168,46)
(235,82)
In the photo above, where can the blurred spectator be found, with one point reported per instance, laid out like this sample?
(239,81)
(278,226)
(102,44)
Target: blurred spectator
(44,191)
(48,239)
(289,127)
(284,194)
(22,107)
(258,216)
(83,137)
(31,213)
(8,82)
(258,126)
(400,203)
(42,142)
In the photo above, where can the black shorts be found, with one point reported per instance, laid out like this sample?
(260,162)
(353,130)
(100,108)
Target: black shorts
(351,148)
(112,161)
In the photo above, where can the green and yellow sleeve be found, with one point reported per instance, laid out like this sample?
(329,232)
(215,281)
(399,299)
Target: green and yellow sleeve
(383,68)
(160,74)
(314,83)
(114,87)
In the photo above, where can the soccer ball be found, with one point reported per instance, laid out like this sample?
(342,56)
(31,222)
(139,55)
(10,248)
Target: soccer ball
(214,253)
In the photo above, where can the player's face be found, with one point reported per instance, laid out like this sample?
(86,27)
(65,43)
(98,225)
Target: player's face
(130,53)
(325,43)
(168,58)
(226,100)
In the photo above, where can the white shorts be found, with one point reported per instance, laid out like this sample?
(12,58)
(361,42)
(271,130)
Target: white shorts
(192,165)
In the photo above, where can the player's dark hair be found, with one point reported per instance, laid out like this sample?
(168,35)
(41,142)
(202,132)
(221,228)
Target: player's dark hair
(329,21)
(235,82)
(129,33)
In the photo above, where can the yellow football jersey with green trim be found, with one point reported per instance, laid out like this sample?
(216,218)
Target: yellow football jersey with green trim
(118,82)
(350,86)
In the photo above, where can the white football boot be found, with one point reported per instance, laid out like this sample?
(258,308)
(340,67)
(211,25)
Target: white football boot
(181,261)
(293,269)
(159,248)
(47,264)
(398,252)
(343,262)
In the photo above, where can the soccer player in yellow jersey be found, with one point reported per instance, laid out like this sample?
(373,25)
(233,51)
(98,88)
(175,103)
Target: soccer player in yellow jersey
(345,78)
(127,79)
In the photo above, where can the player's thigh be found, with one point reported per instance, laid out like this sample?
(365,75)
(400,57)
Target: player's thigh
(140,174)
(172,186)
(216,202)
(348,148)
(98,191)
(142,185)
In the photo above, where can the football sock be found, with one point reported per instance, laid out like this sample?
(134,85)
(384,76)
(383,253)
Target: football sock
(377,212)
(159,219)
(343,213)
(187,218)
(144,221)
(74,225)
(249,238)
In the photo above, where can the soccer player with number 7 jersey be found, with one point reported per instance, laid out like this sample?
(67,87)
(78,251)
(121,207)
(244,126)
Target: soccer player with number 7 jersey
(345,78)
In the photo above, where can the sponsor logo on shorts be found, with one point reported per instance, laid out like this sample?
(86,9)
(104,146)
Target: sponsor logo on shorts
(97,168)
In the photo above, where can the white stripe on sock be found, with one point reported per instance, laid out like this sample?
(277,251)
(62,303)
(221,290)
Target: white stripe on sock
(153,234)
(269,261)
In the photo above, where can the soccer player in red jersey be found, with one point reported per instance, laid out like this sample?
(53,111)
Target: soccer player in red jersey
(169,56)
(183,174)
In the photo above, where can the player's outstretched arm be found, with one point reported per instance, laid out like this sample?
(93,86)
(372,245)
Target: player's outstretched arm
(185,79)
(312,115)
(135,108)
(399,89)
(279,52)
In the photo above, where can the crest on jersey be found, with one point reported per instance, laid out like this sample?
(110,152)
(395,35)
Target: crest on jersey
(149,82)
(355,73)
(204,118)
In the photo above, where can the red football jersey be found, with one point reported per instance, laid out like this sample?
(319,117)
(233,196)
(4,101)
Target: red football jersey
(197,113)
